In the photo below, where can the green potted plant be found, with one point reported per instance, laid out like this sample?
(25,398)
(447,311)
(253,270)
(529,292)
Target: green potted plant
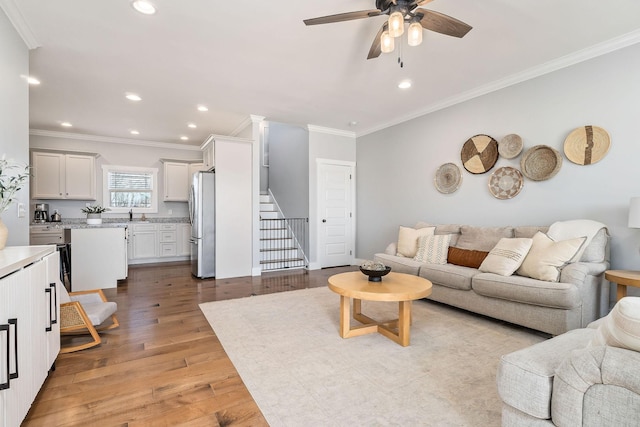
(10,184)
(94,214)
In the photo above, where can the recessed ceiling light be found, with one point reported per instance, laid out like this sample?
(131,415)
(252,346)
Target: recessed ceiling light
(135,132)
(66,124)
(192,125)
(184,138)
(202,108)
(353,123)
(33,81)
(133,97)
(405,84)
(144,6)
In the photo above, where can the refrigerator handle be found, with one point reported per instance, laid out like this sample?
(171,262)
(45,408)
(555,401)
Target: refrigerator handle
(191,199)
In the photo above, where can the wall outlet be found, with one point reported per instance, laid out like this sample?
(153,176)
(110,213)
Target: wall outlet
(22,212)
(170,212)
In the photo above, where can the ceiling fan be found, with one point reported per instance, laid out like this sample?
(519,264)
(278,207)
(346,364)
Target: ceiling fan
(400,11)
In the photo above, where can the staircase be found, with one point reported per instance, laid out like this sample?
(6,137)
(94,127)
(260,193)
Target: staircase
(281,239)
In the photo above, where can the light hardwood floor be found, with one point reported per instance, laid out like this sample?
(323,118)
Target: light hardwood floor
(163,366)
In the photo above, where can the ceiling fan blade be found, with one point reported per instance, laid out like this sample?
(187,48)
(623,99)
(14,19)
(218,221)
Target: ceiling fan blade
(340,17)
(441,23)
(376,48)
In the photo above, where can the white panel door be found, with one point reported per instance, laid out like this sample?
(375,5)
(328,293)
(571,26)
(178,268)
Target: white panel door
(335,210)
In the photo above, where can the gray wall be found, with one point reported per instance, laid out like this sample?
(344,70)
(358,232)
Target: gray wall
(14,119)
(396,166)
(122,155)
(289,168)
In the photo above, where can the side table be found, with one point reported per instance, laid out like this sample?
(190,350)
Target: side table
(623,278)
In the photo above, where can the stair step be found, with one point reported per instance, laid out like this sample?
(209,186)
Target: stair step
(265,198)
(267,207)
(268,215)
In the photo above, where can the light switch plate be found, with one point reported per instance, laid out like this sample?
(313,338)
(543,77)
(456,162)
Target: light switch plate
(22,212)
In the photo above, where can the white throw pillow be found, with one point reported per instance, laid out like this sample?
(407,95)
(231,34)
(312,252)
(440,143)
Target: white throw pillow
(506,256)
(433,249)
(408,240)
(547,257)
(563,230)
(621,327)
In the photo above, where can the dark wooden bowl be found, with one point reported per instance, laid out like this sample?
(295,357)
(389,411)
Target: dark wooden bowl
(375,275)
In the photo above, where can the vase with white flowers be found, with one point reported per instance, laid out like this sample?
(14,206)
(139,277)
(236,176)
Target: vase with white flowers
(94,214)
(10,183)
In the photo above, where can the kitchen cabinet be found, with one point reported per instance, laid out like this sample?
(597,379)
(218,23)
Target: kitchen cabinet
(176,182)
(29,331)
(167,240)
(184,239)
(208,153)
(144,241)
(98,257)
(63,176)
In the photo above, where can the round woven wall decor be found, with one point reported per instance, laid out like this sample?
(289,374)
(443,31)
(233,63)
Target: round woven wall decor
(505,183)
(587,145)
(448,178)
(479,154)
(510,146)
(540,163)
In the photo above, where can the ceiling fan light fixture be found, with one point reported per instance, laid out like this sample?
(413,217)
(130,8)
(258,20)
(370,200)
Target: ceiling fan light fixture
(415,34)
(387,43)
(396,24)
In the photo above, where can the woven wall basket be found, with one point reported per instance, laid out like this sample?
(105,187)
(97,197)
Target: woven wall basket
(479,153)
(510,146)
(448,178)
(540,163)
(587,145)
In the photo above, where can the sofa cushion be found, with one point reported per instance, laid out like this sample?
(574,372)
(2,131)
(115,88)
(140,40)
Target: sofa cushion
(621,327)
(528,230)
(527,290)
(506,256)
(399,264)
(408,239)
(433,249)
(452,229)
(563,230)
(448,275)
(525,377)
(482,238)
(596,251)
(465,257)
(546,257)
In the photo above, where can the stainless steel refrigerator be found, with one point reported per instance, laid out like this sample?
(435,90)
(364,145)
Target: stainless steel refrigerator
(202,209)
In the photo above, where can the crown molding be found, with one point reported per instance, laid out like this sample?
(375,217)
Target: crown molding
(12,10)
(331,131)
(574,58)
(111,139)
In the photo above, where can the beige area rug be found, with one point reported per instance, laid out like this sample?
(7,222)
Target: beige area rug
(299,371)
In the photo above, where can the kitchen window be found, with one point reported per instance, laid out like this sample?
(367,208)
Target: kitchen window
(128,188)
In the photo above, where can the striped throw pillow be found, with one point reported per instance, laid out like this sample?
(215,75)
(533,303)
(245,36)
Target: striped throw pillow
(433,249)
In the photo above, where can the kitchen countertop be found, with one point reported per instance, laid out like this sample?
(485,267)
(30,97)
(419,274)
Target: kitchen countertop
(13,258)
(109,222)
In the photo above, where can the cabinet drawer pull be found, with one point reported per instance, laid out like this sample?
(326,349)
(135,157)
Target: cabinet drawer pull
(48,292)
(5,328)
(54,308)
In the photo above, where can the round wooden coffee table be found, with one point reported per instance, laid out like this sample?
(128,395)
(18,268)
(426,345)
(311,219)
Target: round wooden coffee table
(399,287)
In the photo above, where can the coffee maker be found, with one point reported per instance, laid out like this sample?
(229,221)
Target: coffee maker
(41,213)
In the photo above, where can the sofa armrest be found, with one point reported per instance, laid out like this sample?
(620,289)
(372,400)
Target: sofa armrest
(597,386)
(576,272)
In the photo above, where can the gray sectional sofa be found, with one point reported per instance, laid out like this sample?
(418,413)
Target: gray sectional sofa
(580,296)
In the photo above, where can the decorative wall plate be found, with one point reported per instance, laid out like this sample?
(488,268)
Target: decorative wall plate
(479,153)
(448,178)
(505,183)
(510,146)
(587,145)
(540,163)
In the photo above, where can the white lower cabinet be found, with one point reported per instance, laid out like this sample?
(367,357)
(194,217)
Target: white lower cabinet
(159,242)
(98,257)
(29,334)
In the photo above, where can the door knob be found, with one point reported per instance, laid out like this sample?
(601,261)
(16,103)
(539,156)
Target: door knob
(324,220)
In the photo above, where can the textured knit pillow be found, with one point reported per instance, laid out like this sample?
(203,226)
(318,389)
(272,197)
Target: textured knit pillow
(408,239)
(433,249)
(621,327)
(506,256)
(547,257)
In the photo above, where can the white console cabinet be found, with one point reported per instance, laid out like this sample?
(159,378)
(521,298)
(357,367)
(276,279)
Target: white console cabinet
(29,326)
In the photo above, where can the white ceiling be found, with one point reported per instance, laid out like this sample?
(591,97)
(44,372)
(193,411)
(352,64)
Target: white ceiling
(257,57)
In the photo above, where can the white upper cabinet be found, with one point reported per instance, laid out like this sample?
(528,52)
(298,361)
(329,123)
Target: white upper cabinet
(63,176)
(176,182)
(208,154)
